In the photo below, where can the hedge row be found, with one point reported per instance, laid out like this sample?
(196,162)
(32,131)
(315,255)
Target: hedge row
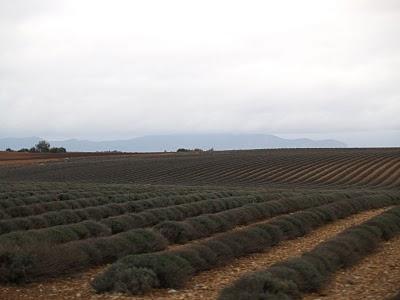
(79,203)
(67,233)
(310,271)
(16,194)
(48,197)
(24,265)
(208,224)
(32,206)
(12,190)
(139,273)
(8,190)
(9,200)
(56,234)
(29,190)
(41,208)
(74,195)
(89,252)
(178,212)
(70,216)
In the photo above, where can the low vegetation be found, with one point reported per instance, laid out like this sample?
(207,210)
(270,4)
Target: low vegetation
(173,268)
(179,214)
(309,272)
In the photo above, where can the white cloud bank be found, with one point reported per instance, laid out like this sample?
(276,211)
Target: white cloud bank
(117,69)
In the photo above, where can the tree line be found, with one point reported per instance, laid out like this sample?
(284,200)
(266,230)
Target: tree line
(41,147)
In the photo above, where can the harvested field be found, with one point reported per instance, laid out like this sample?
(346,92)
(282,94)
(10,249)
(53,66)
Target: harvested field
(23,158)
(374,168)
(189,226)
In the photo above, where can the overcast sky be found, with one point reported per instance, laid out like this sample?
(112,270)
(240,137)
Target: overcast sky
(119,69)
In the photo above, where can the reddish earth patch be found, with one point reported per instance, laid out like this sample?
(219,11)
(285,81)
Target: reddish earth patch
(21,158)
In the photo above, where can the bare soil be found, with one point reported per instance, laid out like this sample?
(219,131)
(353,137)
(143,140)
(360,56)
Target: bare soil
(205,285)
(22,158)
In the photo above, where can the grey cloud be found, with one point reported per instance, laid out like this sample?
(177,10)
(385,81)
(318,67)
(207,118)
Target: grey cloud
(96,69)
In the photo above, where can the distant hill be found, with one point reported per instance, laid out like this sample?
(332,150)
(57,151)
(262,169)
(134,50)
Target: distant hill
(18,143)
(155,143)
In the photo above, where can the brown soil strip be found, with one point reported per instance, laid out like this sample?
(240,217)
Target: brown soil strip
(375,277)
(23,158)
(205,285)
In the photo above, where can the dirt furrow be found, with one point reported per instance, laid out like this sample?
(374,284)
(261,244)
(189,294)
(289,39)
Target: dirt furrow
(205,285)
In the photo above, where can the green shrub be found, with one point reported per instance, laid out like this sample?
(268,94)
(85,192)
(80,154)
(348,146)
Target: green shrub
(15,264)
(197,261)
(306,275)
(260,285)
(171,270)
(36,260)
(177,232)
(128,280)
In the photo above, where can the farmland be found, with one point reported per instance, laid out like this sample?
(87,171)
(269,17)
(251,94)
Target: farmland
(316,167)
(21,158)
(254,224)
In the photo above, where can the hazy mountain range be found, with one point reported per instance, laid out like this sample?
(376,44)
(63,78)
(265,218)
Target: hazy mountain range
(173,142)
